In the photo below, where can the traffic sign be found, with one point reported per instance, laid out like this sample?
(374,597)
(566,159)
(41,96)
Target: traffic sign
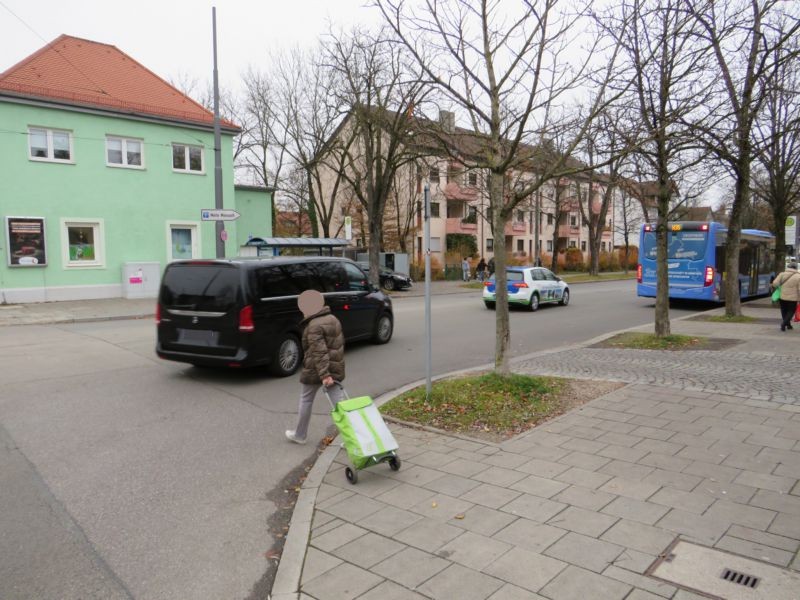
(219,214)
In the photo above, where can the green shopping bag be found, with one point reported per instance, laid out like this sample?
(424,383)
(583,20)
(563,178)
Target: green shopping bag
(776,295)
(363,431)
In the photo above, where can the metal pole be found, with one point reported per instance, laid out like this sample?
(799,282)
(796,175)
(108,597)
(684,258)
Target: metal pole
(219,226)
(427,243)
(536,228)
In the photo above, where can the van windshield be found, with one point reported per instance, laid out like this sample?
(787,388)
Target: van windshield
(207,288)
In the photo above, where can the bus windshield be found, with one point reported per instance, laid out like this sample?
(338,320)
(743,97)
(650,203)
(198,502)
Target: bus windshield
(687,245)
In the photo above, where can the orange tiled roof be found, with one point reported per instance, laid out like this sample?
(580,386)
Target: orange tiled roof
(86,73)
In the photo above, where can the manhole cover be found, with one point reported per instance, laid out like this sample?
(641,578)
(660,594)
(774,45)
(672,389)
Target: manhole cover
(723,575)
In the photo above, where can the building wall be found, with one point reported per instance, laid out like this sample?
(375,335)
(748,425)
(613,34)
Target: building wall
(133,206)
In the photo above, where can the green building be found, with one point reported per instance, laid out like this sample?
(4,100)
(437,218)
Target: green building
(106,169)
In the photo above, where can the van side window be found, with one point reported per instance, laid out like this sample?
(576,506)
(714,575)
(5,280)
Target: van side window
(305,276)
(332,277)
(356,279)
(275,281)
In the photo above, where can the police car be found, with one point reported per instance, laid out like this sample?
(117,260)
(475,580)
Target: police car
(530,287)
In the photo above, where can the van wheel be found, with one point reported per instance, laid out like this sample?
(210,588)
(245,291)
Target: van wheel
(287,357)
(383,329)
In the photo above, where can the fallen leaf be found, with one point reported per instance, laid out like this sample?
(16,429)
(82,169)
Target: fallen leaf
(434,504)
(459,517)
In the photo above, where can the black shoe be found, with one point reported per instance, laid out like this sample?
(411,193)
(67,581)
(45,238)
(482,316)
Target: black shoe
(789,326)
(783,327)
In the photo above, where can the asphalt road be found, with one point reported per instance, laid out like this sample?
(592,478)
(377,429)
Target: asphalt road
(123,476)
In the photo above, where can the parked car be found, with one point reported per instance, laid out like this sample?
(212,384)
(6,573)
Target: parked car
(390,280)
(243,312)
(529,286)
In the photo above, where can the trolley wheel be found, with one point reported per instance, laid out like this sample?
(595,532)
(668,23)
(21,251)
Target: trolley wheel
(394,463)
(351,474)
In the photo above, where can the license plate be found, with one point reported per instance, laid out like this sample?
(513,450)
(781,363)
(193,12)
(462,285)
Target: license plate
(197,337)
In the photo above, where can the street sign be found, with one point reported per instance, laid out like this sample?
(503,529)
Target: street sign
(219,214)
(348,228)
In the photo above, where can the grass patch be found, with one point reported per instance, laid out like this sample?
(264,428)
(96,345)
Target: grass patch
(731,319)
(486,404)
(472,285)
(583,277)
(649,341)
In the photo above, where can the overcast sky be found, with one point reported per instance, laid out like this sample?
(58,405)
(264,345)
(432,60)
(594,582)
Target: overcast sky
(173,37)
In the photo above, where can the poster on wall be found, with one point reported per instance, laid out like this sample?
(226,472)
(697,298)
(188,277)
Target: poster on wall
(25,237)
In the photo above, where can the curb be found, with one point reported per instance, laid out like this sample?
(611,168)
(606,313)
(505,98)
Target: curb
(290,567)
(72,320)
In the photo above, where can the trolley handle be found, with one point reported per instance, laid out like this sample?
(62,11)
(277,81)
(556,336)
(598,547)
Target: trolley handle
(328,396)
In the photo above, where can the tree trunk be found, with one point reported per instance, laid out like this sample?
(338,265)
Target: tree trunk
(662,278)
(312,209)
(502,334)
(779,216)
(374,249)
(733,301)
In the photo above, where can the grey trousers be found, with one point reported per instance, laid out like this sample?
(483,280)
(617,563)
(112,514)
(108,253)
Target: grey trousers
(308,392)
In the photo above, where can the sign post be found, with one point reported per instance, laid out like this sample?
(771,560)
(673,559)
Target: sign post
(427,245)
(348,228)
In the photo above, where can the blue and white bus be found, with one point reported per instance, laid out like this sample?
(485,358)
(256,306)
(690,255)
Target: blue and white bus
(696,261)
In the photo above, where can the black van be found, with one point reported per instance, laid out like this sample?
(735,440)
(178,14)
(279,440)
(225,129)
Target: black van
(243,312)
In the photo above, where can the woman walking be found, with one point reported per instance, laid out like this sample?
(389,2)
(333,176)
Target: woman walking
(789,282)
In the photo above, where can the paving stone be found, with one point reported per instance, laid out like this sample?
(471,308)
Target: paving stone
(584,497)
(545,452)
(405,495)
(525,569)
(410,567)
(654,433)
(653,423)
(368,550)
(586,446)
(541,468)
(459,582)
(573,583)
(499,476)
(530,535)
(334,498)
(327,491)
(665,461)
(463,467)
(712,471)
(473,550)
(652,586)
(428,534)
(638,594)
(389,590)
(441,507)
(687,595)
(354,508)
(491,496)
(693,502)
(749,463)
(585,552)
(659,447)
(705,529)
(633,560)
(726,491)
(755,550)
(485,521)
(680,481)
(691,440)
(637,490)
(538,486)
(452,485)
(533,507)
(389,520)
(590,462)
(583,478)
(321,519)
(687,427)
(317,562)
(742,514)
(506,460)
(512,592)
(342,583)
(415,475)
(334,538)
(768,539)
(635,510)
(770,441)
(694,453)
(583,521)
(765,481)
(629,471)
(465,444)
(620,439)
(431,459)
(614,426)
(622,453)
(638,536)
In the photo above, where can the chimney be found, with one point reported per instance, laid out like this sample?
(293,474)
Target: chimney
(447,120)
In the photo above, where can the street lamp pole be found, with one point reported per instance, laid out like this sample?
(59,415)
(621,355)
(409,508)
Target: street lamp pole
(427,244)
(219,228)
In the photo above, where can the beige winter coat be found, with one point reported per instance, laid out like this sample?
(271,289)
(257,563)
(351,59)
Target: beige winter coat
(323,348)
(789,281)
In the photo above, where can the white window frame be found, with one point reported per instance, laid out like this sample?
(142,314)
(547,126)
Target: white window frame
(549,245)
(124,140)
(194,226)
(99,243)
(50,149)
(186,147)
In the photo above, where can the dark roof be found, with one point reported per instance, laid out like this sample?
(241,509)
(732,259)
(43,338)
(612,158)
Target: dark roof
(297,242)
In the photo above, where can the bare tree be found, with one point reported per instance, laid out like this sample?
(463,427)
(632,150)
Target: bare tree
(746,38)
(501,66)
(777,139)
(376,139)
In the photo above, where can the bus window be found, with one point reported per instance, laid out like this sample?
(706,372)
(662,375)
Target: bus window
(690,245)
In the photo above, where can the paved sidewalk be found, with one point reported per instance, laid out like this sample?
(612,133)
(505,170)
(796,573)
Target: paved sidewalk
(701,445)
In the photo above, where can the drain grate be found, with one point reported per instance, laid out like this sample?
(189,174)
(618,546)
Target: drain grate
(740,578)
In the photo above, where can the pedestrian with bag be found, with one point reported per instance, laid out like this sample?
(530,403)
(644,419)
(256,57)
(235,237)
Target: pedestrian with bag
(480,270)
(323,359)
(787,288)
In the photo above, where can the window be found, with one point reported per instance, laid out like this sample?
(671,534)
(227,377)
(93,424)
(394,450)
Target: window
(436,244)
(489,244)
(82,243)
(549,219)
(187,158)
(183,240)
(472,179)
(124,152)
(520,216)
(537,274)
(549,275)
(356,279)
(520,245)
(53,145)
(572,244)
(434,209)
(549,245)
(583,246)
(603,246)
(573,220)
(434,174)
